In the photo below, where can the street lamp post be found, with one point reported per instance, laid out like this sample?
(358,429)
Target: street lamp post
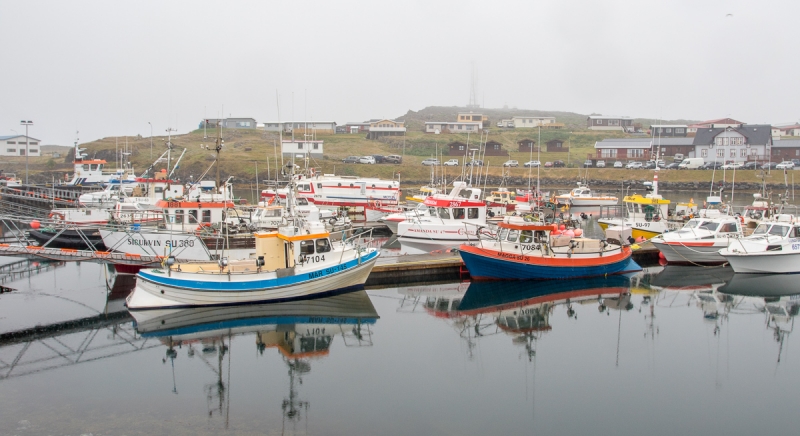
(26,124)
(151,140)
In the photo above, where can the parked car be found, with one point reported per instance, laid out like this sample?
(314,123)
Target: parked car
(510,124)
(618,164)
(672,166)
(661,163)
(587,163)
(751,165)
(379,158)
(796,162)
(732,166)
(769,166)
(393,158)
(710,165)
(476,162)
(601,164)
(431,162)
(451,163)
(351,159)
(559,164)
(785,165)
(548,164)
(532,164)
(499,124)
(366,160)
(649,165)
(511,163)
(635,165)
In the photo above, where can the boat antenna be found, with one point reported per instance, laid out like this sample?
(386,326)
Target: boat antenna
(218,147)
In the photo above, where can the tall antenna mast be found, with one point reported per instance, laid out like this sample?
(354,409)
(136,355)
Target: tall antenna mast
(472,104)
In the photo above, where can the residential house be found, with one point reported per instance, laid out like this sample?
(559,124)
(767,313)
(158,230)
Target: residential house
(527,145)
(791,130)
(301,127)
(785,149)
(457,148)
(229,123)
(291,148)
(466,117)
(624,149)
(521,122)
(599,122)
(734,144)
(16,145)
(668,130)
(352,128)
(669,146)
(557,145)
(452,127)
(386,128)
(494,148)
(712,124)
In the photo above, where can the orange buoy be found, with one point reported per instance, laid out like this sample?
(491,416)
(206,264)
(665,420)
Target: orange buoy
(35,224)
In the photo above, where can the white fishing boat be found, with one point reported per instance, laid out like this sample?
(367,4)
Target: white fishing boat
(699,240)
(584,196)
(773,247)
(328,191)
(448,214)
(393,220)
(296,262)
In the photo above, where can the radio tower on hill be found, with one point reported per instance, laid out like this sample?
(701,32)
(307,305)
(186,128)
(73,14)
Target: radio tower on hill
(472,103)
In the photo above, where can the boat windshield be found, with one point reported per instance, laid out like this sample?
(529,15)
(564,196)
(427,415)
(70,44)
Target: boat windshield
(513,235)
(692,224)
(709,225)
(761,229)
(501,235)
(779,230)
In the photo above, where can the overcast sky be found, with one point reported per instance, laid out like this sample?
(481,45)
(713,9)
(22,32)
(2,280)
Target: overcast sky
(107,68)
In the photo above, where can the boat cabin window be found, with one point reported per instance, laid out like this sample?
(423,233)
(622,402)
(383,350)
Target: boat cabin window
(709,225)
(323,245)
(539,236)
(692,224)
(206,216)
(178,219)
(307,247)
(728,228)
(458,213)
(512,235)
(158,189)
(86,167)
(779,230)
(94,167)
(301,201)
(502,234)
(472,213)
(193,217)
(444,213)
(527,237)
(432,211)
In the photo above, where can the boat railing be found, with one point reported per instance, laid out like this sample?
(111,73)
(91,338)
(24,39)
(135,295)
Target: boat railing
(612,212)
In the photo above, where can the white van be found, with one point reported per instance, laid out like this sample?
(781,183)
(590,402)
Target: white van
(691,163)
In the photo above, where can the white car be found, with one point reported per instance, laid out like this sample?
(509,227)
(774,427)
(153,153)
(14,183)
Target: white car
(601,164)
(618,164)
(635,165)
(732,166)
(451,163)
(532,164)
(366,160)
(511,163)
(785,165)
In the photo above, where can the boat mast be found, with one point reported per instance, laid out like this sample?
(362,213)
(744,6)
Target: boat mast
(218,147)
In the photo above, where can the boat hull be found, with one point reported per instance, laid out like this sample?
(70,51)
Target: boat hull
(157,290)
(777,262)
(70,239)
(691,251)
(485,264)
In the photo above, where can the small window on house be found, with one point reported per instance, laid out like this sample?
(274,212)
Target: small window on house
(599,121)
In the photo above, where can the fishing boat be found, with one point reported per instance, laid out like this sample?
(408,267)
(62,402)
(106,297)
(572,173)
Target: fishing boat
(424,192)
(699,240)
(393,220)
(502,200)
(584,196)
(522,250)
(772,248)
(298,261)
(376,197)
(448,214)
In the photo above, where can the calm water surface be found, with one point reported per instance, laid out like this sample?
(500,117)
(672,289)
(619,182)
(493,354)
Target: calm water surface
(673,350)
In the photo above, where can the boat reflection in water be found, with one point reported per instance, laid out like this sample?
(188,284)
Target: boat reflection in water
(520,309)
(776,295)
(299,330)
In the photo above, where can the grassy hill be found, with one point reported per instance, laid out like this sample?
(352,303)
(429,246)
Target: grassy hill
(246,151)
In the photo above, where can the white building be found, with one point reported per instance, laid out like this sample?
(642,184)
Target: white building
(321,127)
(291,148)
(14,145)
(525,121)
(452,127)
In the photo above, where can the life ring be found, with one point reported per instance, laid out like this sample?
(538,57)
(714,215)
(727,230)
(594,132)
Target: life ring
(377,203)
(56,216)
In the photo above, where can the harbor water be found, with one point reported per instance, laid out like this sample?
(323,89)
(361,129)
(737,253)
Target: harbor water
(671,350)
